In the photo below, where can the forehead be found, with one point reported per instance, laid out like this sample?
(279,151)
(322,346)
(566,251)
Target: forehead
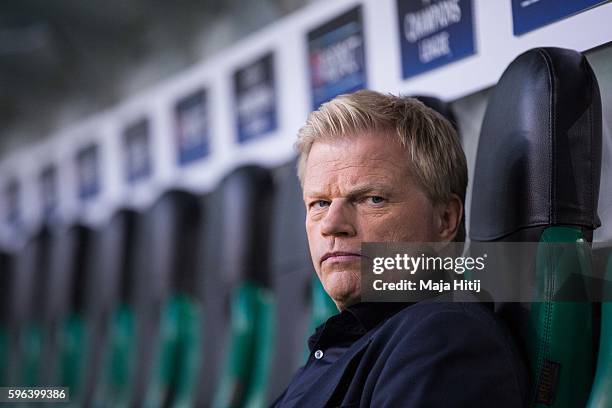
(355,160)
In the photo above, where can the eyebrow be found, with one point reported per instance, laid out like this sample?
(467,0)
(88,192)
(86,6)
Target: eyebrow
(355,191)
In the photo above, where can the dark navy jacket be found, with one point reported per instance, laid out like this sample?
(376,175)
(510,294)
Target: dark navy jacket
(428,354)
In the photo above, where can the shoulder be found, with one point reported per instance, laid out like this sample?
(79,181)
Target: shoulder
(452,326)
(444,316)
(441,341)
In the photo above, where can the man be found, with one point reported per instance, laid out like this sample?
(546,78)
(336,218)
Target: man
(379,168)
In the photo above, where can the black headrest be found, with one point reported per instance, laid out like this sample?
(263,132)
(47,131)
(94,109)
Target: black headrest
(82,263)
(41,275)
(120,267)
(6,284)
(539,153)
(175,230)
(247,195)
(290,244)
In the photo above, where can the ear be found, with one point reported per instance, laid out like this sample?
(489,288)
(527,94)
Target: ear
(449,217)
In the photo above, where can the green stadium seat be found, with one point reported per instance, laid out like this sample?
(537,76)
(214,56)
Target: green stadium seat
(6,278)
(72,295)
(536,180)
(247,194)
(601,392)
(111,383)
(170,309)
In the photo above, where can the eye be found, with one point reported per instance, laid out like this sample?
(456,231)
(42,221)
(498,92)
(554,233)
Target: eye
(319,204)
(376,199)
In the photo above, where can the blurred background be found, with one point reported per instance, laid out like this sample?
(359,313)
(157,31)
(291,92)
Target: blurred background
(152,249)
(61,62)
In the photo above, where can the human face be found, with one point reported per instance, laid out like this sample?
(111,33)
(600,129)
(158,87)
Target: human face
(360,189)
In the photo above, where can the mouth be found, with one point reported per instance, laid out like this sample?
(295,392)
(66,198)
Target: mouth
(340,256)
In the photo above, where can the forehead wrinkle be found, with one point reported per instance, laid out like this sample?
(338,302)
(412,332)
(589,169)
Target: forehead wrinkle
(371,156)
(329,147)
(336,165)
(349,184)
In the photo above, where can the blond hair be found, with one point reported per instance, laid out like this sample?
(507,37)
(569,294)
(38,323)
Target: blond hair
(436,156)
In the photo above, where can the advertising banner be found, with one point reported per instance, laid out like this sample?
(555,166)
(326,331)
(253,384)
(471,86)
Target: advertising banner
(88,172)
(137,153)
(11,201)
(255,97)
(336,52)
(192,123)
(434,33)
(528,15)
(49,191)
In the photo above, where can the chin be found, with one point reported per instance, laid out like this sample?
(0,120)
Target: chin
(344,290)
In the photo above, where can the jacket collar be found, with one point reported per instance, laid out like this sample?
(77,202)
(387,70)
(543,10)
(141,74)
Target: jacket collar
(353,322)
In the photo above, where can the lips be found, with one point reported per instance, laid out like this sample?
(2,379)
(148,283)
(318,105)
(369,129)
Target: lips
(339,255)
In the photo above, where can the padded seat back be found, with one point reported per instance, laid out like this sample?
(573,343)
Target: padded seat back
(601,392)
(178,349)
(113,347)
(167,301)
(247,195)
(6,279)
(536,180)
(72,297)
(28,310)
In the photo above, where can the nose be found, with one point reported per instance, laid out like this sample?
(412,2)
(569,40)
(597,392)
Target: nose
(338,220)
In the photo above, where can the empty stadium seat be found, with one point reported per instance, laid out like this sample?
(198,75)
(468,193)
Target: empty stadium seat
(179,352)
(217,288)
(601,392)
(247,197)
(168,302)
(6,278)
(26,308)
(113,346)
(536,180)
(70,293)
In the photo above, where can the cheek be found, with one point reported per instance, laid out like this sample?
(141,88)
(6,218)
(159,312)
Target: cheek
(313,243)
(312,225)
(407,223)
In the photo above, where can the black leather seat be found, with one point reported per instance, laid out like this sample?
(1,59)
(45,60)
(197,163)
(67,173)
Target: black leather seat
(601,392)
(27,304)
(110,313)
(6,280)
(537,180)
(243,274)
(71,294)
(168,301)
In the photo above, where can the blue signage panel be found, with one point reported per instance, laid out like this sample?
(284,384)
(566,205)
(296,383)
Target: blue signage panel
(527,15)
(192,128)
(255,97)
(336,52)
(137,154)
(49,191)
(12,202)
(434,33)
(88,172)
